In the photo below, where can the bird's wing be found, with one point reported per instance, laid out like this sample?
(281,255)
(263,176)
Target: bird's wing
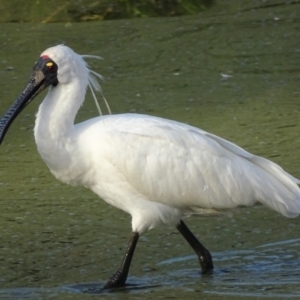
(185,167)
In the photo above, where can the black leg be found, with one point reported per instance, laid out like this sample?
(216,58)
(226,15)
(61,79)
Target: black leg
(203,254)
(119,278)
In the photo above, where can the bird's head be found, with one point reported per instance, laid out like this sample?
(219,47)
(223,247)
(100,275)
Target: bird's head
(60,64)
(56,65)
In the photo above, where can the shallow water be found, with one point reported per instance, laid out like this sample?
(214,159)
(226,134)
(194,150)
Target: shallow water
(232,70)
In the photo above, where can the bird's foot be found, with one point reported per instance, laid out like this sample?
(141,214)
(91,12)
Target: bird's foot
(117,280)
(206,262)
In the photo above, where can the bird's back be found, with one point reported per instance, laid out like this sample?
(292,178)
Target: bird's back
(183,167)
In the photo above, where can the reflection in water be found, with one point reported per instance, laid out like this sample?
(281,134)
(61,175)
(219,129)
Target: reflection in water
(269,270)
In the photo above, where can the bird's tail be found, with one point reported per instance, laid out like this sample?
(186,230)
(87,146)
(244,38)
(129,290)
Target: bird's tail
(281,185)
(274,187)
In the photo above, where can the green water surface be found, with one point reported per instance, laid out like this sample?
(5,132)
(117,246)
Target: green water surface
(232,70)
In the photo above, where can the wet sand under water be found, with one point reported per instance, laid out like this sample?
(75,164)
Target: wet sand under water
(233,71)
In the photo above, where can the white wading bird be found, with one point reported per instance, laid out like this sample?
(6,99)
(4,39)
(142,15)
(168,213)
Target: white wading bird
(156,170)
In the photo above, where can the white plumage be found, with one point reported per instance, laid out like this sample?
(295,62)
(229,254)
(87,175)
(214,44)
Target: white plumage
(155,169)
(137,162)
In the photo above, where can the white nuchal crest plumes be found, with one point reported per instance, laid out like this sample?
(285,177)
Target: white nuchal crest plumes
(155,169)
(94,84)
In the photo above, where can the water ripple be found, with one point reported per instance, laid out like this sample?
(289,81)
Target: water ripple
(269,270)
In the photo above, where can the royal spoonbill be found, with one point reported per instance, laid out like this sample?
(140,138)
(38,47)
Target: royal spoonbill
(156,170)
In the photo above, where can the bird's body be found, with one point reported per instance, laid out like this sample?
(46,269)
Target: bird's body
(155,169)
(139,163)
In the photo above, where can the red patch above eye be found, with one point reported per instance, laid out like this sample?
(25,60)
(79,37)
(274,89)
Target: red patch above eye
(44,56)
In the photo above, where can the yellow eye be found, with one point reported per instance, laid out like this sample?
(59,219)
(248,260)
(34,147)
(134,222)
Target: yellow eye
(51,66)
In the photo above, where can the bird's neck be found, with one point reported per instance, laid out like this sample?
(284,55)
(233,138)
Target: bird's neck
(54,126)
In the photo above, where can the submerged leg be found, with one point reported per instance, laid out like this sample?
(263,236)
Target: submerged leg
(203,254)
(119,278)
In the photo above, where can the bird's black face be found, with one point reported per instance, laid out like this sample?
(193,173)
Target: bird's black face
(44,74)
(49,70)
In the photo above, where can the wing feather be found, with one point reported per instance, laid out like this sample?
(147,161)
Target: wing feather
(188,168)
